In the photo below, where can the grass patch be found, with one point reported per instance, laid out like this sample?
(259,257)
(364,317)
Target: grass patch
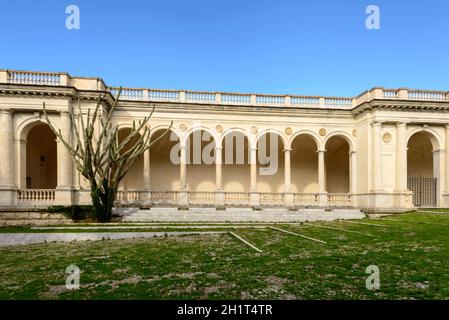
(412,262)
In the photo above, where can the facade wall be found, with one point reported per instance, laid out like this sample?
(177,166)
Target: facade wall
(355,152)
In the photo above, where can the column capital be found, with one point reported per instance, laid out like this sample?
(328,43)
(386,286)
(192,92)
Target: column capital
(219,148)
(376,123)
(288,149)
(446,125)
(352,152)
(321,150)
(402,124)
(5,111)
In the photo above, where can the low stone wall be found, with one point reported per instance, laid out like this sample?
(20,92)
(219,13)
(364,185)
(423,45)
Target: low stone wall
(27,217)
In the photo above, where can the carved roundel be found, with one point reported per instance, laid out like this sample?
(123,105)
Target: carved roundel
(322,132)
(387,137)
(254,129)
(354,132)
(183,127)
(219,129)
(288,131)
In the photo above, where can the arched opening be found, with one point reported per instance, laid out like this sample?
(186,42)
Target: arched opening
(337,165)
(133,179)
(304,164)
(200,161)
(421,173)
(41,158)
(164,159)
(270,163)
(236,169)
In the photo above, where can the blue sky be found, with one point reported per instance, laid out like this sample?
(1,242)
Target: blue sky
(318,47)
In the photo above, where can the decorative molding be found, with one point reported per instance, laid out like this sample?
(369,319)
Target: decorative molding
(183,127)
(387,137)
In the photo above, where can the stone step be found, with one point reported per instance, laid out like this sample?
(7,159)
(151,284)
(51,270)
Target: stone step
(264,215)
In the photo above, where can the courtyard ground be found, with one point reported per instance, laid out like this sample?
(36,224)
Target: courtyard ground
(411,251)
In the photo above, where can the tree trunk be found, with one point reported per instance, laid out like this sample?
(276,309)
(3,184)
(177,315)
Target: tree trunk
(102,202)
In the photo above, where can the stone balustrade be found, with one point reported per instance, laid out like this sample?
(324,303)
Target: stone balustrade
(35,196)
(221,98)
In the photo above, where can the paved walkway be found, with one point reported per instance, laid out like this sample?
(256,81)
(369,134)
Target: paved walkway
(211,215)
(10,239)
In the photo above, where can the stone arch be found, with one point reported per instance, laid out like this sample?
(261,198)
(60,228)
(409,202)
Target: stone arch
(38,151)
(24,127)
(164,159)
(189,132)
(235,130)
(236,167)
(133,179)
(433,136)
(312,134)
(423,167)
(273,131)
(337,163)
(343,135)
(200,145)
(304,162)
(270,161)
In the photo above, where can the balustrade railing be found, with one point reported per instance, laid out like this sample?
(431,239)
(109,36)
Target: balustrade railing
(271,199)
(226,98)
(237,198)
(427,95)
(391,94)
(164,197)
(201,198)
(305,199)
(36,196)
(128,196)
(339,199)
(39,78)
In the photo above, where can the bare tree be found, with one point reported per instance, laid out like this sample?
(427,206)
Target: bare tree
(98,153)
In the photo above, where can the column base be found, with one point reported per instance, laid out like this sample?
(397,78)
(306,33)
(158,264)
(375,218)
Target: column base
(445,199)
(289,199)
(322,199)
(8,196)
(183,200)
(64,196)
(254,199)
(219,200)
(146,199)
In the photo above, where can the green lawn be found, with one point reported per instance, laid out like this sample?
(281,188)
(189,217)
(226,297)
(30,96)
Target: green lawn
(412,257)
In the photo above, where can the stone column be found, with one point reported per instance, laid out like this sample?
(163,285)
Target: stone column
(288,195)
(183,195)
(322,192)
(445,193)
(219,193)
(146,177)
(446,167)
(376,159)
(401,157)
(63,194)
(255,197)
(7,189)
(353,177)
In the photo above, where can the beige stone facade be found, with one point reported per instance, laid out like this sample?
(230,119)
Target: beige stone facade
(386,149)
